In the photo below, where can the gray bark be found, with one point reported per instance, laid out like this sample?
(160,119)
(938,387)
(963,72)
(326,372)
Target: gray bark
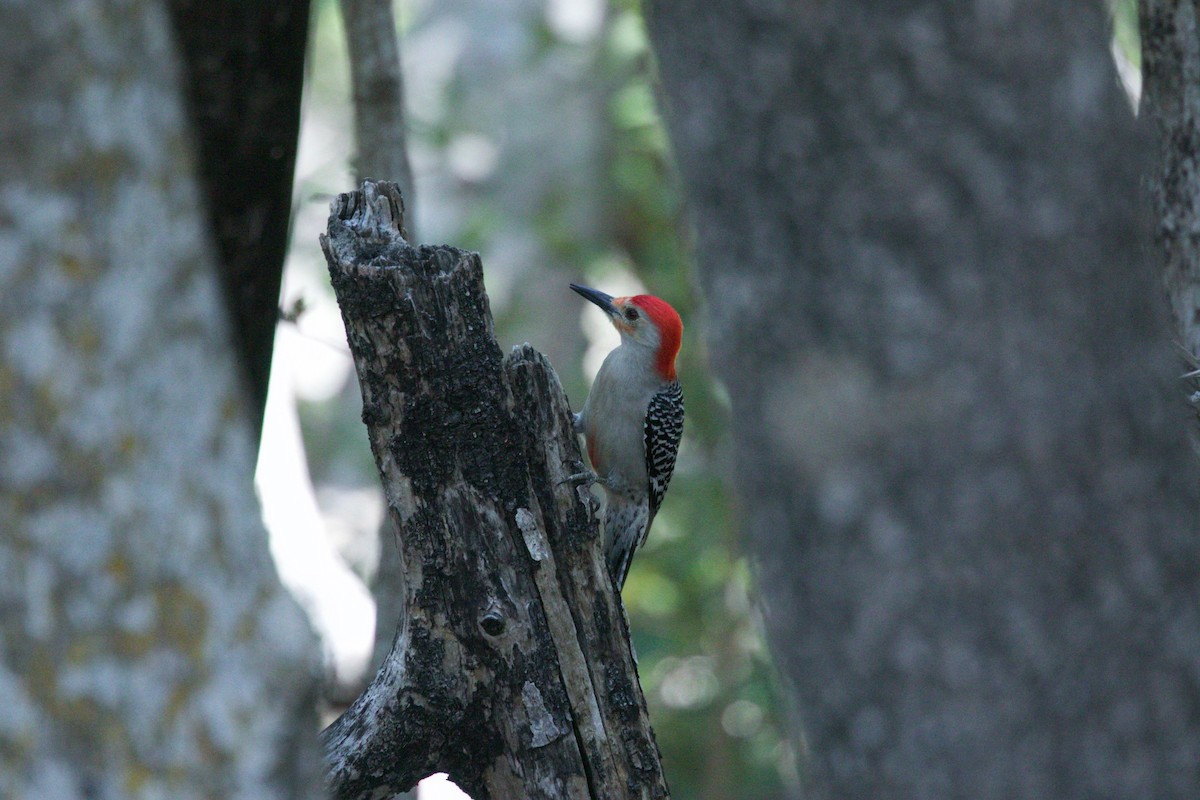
(1171,97)
(957,434)
(387,587)
(511,670)
(378,83)
(146,646)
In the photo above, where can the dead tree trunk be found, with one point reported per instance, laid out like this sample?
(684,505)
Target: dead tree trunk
(511,669)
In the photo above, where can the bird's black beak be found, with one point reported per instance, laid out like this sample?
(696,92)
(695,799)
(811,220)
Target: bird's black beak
(605,301)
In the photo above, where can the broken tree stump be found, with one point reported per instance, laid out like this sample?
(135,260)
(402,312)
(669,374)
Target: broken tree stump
(511,669)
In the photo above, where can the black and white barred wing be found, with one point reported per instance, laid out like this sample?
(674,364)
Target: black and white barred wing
(663,429)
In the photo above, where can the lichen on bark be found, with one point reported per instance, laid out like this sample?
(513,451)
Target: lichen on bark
(147,646)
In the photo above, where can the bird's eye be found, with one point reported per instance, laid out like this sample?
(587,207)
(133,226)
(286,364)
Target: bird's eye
(631,313)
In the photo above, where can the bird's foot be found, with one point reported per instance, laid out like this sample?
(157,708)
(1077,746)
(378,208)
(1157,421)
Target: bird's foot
(584,477)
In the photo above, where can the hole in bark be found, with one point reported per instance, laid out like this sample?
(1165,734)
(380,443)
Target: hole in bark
(492,623)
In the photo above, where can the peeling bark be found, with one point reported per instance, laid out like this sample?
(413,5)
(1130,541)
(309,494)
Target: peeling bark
(511,669)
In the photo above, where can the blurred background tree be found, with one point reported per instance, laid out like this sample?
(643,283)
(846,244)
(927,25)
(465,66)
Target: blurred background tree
(147,648)
(959,431)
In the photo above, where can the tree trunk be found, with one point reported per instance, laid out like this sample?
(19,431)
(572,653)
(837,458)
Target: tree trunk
(381,151)
(511,670)
(146,648)
(1171,97)
(957,430)
(243,70)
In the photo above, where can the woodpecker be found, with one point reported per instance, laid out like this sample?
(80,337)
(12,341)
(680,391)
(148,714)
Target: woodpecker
(632,420)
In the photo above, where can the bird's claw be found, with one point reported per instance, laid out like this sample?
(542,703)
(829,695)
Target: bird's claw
(585,477)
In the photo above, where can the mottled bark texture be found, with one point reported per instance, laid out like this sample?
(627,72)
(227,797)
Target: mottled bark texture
(146,647)
(511,669)
(243,70)
(953,395)
(1171,97)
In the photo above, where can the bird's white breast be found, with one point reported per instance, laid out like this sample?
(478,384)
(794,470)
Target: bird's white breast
(614,415)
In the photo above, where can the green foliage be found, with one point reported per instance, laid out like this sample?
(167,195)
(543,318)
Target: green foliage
(703,664)
(1125,30)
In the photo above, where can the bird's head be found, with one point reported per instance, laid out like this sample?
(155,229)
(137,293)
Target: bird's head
(643,320)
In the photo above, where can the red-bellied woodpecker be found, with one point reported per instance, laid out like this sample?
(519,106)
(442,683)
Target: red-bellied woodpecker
(632,420)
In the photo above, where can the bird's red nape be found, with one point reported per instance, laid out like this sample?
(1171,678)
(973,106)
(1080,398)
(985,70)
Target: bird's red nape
(670,331)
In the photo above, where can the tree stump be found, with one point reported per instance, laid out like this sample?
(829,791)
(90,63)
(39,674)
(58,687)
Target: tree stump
(511,668)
